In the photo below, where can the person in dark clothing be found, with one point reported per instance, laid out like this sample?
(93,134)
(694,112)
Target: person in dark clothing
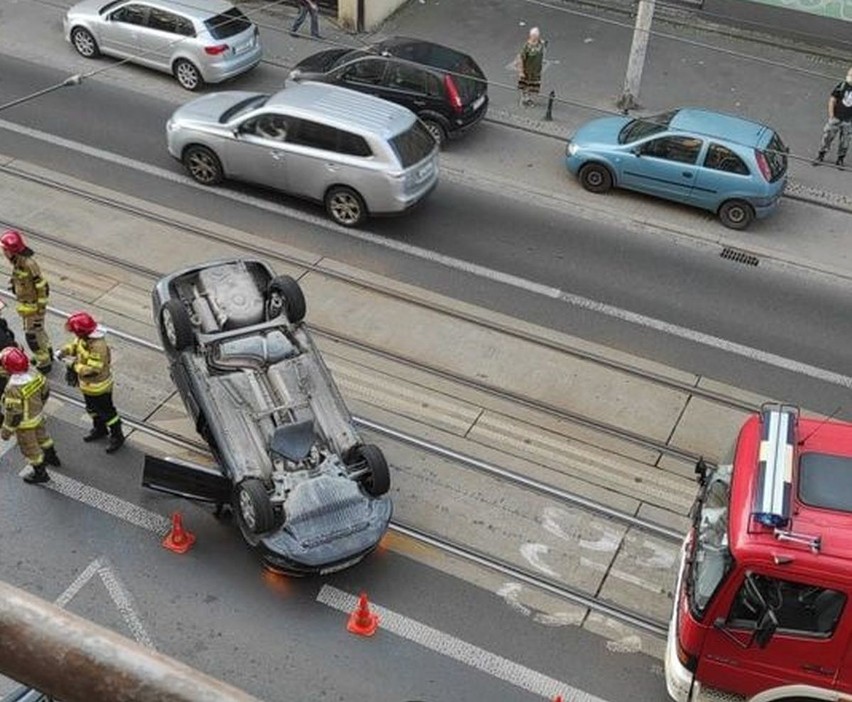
(306,7)
(839,121)
(7,339)
(530,65)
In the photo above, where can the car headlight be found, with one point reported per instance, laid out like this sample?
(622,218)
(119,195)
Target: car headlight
(571,149)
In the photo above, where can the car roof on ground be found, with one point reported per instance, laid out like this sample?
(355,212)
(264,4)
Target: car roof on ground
(344,108)
(720,125)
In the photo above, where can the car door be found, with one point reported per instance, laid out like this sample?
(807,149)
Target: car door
(184,479)
(723,174)
(405,84)
(314,160)
(364,75)
(809,645)
(257,153)
(665,166)
(120,33)
(160,35)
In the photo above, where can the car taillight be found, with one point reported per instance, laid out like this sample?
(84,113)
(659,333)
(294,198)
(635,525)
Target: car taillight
(216,50)
(453,92)
(763,165)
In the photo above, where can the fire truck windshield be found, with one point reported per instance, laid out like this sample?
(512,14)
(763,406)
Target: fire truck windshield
(711,559)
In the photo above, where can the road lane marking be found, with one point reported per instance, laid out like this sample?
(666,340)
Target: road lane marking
(601,308)
(105,502)
(118,592)
(461,651)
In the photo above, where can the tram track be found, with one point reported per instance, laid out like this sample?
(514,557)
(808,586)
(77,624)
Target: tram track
(490,562)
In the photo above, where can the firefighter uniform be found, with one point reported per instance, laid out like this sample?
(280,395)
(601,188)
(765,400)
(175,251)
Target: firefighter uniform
(89,366)
(23,404)
(31,292)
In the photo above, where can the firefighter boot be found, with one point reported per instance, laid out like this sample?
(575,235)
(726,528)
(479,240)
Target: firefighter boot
(51,458)
(98,431)
(39,474)
(116,438)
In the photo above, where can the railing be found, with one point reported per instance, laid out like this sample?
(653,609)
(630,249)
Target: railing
(74,660)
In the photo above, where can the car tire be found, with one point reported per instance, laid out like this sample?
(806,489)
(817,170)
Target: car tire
(292,299)
(436,129)
(345,206)
(376,479)
(596,178)
(176,326)
(85,44)
(203,165)
(188,75)
(736,214)
(253,507)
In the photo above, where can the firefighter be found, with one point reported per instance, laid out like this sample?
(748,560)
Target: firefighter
(31,292)
(87,360)
(23,403)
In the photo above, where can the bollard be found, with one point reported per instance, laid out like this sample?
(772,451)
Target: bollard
(548,116)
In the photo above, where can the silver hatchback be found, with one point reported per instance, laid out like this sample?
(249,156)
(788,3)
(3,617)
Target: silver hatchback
(204,41)
(355,153)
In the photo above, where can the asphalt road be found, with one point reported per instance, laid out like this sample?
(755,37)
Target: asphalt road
(217,610)
(799,316)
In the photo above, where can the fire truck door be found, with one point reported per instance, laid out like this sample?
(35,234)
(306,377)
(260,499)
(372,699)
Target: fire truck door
(808,646)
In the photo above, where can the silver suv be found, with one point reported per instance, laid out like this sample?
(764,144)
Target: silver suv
(355,153)
(207,41)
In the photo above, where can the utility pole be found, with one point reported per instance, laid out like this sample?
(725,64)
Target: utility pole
(629,99)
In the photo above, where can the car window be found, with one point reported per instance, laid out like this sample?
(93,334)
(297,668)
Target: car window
(353,144)
(269,126)
(130,14)
(227,24)
(644,127)
(367,71)
(434,88)
(403,76)
(800,608)
(413,145)
(673,148)
(318,136)
(721,158)
(162,20)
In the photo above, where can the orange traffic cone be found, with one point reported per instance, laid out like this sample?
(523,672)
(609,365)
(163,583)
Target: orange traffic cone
(558,698)
(178,539)
(362,621)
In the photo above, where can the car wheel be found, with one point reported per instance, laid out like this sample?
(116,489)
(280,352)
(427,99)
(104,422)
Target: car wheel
(176,326)
(286,295)
(595,178)
(253,506)
(85,43)
(203,165)
(736,214)
(376,480)
(188,75)
(436,130)
(345,206)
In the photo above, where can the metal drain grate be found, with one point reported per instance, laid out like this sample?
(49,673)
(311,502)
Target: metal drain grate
(740,256)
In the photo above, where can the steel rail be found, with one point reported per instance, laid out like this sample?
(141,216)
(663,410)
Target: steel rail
(271,253)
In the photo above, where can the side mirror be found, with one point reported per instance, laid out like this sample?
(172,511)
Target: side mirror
(636,151)
(766,628)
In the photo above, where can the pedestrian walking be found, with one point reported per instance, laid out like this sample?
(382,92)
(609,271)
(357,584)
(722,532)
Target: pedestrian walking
(31,292)
(530,62)
(839,121)
(306,7)
(88,366)
(23,413)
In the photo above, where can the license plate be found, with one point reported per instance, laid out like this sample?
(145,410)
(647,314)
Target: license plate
(424,173)
(478,102)
(242,48)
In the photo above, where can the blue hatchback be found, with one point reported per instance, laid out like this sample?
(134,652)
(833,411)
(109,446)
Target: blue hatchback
(718,162)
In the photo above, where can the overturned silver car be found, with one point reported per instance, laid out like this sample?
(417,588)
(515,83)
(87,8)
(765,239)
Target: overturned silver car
(305,490)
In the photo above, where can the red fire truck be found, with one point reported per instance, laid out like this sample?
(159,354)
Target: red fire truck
(761,610)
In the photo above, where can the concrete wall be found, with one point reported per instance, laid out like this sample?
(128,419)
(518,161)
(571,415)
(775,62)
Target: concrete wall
(375,12)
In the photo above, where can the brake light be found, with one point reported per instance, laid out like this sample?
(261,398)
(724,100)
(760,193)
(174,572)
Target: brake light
(453,92)
(216,50)
(763,165)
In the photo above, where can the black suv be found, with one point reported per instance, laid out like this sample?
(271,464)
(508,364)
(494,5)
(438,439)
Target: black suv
(442,86)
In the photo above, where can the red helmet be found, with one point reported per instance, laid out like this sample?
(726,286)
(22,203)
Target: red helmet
(12,241)
(81,324)
(14,360)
